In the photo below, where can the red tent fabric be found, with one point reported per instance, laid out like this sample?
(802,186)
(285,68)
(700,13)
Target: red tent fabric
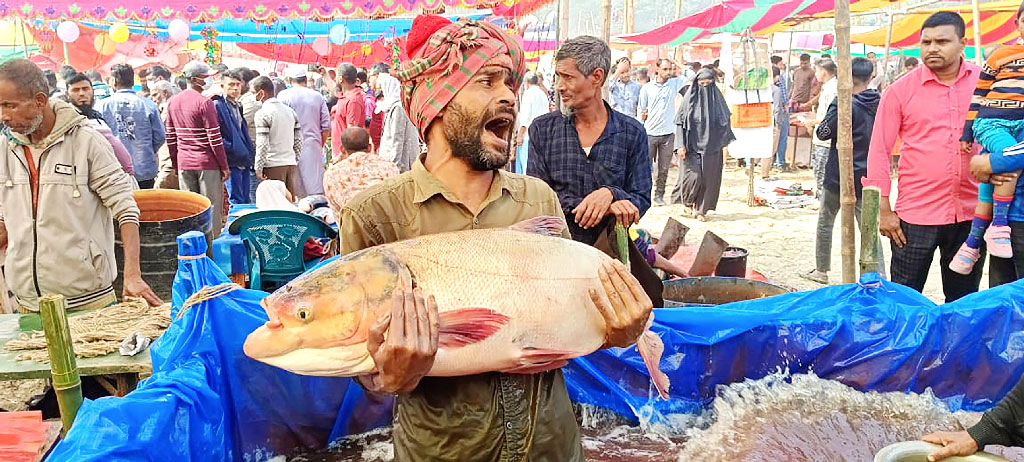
(137,52)
(302,53)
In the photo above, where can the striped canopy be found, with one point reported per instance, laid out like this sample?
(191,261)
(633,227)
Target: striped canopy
(998,26)
(259,10)
(736,16)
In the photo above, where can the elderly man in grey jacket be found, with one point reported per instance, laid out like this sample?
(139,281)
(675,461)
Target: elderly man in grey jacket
(61,189)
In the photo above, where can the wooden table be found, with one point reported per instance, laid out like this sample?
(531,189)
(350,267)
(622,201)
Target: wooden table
(124,370)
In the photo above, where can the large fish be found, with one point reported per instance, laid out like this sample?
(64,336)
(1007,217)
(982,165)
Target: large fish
(509,299)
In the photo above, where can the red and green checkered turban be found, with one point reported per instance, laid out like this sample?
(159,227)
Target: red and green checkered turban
(444,56)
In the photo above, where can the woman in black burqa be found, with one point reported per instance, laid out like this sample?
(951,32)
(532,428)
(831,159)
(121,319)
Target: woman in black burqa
(702,130)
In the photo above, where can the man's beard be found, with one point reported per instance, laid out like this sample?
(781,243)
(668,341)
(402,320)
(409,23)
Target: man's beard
(465,136)
(565,109)
(84,108)
(37,122)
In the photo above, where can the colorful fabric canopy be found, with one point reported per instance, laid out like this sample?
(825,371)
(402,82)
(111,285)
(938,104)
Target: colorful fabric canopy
(259,10)
(998,26)
(736,16)
(289,30)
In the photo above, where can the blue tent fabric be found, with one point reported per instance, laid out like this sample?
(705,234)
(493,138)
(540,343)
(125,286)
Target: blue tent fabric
(876,335)
(207,401)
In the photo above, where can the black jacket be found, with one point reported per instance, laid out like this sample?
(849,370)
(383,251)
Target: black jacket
(1003,424)
(238,147)
(865,104)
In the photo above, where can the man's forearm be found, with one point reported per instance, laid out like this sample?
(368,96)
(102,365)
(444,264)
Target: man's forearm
(3,236)
(324,136)
(130,242)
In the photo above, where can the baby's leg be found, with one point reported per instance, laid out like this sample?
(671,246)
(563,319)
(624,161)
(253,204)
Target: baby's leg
(1007,189)
(969,253)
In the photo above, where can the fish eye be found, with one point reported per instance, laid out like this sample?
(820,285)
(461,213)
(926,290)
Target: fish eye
(304,314)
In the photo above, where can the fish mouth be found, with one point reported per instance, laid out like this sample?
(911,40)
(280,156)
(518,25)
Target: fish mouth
(341,361)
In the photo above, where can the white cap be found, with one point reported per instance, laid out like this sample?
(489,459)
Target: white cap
(295,72)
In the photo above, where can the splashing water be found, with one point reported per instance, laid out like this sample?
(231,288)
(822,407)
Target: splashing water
(805,418)
(791,418)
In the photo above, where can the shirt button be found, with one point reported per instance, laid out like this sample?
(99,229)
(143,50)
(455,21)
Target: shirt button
(508,425)
(476,221)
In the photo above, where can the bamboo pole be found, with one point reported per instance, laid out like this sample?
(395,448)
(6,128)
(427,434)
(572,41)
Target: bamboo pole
(24,37)
(888,45)
(844,143)
(64,370)
(562,26)
(606,21)
(869,255)
(978,48)
(627,22)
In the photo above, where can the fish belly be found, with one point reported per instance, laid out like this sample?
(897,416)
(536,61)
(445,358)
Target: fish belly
(540,283)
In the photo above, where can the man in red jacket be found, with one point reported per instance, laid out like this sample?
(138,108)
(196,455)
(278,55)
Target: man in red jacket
(194,141)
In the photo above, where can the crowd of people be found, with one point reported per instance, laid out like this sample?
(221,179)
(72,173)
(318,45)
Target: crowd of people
(219,132)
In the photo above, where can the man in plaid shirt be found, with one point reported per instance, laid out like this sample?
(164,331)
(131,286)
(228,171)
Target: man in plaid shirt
(595,159)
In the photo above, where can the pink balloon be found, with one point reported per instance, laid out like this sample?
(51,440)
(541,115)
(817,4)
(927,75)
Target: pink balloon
(68,32)
(178,30)
(322,46)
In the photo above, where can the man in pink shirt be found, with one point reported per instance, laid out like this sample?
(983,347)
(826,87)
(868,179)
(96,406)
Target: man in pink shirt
(926,109)
(350,110)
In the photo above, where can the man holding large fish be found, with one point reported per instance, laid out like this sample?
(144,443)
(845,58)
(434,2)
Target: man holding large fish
(476,364)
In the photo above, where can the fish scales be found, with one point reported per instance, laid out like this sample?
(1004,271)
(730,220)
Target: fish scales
(541,283)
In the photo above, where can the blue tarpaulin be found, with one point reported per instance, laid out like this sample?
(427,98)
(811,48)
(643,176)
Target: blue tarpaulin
(207,401)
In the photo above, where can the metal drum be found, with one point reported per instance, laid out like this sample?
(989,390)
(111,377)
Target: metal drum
(164,214)
(715,290)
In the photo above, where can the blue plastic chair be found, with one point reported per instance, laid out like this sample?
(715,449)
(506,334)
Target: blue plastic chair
(274,240)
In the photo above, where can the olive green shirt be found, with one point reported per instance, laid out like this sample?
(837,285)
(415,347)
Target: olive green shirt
(490,417)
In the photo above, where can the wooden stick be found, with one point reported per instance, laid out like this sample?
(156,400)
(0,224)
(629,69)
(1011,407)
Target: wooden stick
(870,198)
(750,182)
(64,370)
(844,143)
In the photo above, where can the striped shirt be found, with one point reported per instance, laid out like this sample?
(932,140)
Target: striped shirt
(193,133)
(1000,90)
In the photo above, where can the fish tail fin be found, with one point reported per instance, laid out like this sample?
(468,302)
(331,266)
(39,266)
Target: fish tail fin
(544,225)
(651,347)
(468,325)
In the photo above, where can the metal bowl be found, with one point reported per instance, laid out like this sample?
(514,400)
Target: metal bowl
(917,451)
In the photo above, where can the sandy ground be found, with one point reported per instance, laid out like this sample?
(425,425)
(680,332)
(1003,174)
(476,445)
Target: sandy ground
(780,242)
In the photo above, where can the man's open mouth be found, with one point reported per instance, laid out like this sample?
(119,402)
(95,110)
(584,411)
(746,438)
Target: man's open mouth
(500,126)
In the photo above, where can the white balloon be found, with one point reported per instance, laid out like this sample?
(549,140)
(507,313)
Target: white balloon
(68,31)
(179,30)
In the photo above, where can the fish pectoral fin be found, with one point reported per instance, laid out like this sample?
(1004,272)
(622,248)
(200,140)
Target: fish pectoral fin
(651,348)
(544,225)
(468,325)
(536,360)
